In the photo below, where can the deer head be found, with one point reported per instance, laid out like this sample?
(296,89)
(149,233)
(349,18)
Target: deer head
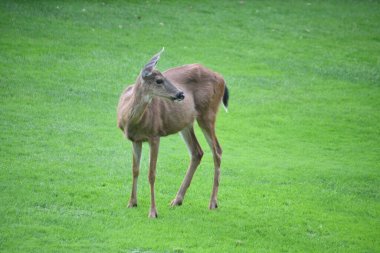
(155,84)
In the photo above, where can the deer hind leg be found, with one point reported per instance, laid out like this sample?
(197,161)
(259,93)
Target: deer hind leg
(208,128)
(196,154)
(137,146)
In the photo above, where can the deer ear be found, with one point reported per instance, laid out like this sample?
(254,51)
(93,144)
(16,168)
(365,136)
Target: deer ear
(146,73)
(148,68)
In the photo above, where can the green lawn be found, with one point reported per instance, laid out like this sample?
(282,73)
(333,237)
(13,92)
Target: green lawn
(301,141)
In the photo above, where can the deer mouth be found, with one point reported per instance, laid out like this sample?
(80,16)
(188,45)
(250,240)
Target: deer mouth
(177,99)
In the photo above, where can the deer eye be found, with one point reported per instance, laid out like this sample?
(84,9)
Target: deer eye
(159,81)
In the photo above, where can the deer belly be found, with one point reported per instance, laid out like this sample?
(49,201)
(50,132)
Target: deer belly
(176,120)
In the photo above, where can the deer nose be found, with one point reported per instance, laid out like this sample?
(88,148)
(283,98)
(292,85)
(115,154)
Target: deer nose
(180,96)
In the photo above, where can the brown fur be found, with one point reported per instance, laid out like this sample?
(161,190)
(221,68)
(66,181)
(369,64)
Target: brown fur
(145,113)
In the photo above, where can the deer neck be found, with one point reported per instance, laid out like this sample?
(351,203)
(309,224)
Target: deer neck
(139,105)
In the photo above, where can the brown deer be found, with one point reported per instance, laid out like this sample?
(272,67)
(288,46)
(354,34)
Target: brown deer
(160,104)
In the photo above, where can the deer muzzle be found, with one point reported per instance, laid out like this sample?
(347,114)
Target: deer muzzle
(179,96)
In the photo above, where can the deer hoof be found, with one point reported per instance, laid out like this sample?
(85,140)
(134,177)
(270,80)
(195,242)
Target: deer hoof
(213,205)
(132,204)
(153,214)
(176,202)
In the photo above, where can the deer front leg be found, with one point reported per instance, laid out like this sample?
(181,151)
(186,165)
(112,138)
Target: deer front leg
(154,145)
(137,146)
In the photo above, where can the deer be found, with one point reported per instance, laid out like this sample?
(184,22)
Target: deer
(159,104)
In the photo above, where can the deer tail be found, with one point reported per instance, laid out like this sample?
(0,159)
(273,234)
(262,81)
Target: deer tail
(226,97)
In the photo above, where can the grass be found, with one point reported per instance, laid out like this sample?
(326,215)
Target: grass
(300,169)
